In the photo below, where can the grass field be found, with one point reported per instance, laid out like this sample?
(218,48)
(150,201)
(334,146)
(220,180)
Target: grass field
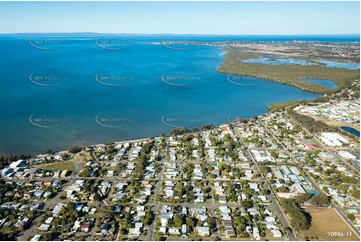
(82,157)
(66,165)
(325,221)
(336,123)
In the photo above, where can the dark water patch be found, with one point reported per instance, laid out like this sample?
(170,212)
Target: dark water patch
(351,130)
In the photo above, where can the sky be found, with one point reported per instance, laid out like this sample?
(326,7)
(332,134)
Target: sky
(252,18)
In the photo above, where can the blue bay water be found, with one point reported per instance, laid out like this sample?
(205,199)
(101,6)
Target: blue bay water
(324,83)
(135,109)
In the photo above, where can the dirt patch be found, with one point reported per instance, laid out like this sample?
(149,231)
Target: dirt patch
(327,225)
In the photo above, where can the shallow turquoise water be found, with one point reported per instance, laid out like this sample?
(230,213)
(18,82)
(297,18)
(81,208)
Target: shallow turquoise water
(278,61)
(312,192)
(344,65)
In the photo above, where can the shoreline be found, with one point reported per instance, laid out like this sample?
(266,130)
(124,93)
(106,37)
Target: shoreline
(127,141)
(168,135)
(113,142)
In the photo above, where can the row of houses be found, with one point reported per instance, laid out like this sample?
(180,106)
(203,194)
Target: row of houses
(225,214)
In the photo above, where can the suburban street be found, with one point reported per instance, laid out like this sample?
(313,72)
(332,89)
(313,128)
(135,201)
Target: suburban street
(272,197)
(155,206)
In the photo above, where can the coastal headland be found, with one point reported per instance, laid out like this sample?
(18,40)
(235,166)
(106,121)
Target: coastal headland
(286,74)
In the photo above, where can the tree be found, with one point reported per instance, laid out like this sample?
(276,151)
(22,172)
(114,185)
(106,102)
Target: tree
(314,126)
(351,216)
(246,204)
(300,220)
(195,129)
(74,149)
(191,223)
(65,156)
(319,200)
(267,191)
(148,218)
(356,194)
(207,127)
(212,224)
(48,151)
(303,197)
(97,197)
(178,220)
(179,131)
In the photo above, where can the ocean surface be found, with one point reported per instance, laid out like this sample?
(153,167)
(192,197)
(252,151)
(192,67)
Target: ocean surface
(57,91)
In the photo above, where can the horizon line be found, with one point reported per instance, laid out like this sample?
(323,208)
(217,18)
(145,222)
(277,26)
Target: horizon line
(85,32)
